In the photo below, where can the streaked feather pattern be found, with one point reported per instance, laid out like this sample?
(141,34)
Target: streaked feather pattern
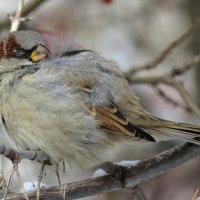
(75,106)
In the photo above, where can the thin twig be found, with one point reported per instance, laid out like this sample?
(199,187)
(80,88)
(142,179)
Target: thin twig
(138,194)
(169,99)
(175,71)
(161,56)
(192,62)
(23,191)
(9,182)
(131,177)
(176,84)
(29,7)
(16,19)
(186,97)
(196,194)
(169,79)
(1,169)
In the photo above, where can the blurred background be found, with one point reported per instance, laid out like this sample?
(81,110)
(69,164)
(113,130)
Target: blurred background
(129,32)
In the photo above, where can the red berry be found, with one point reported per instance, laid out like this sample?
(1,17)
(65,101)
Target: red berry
(106,1)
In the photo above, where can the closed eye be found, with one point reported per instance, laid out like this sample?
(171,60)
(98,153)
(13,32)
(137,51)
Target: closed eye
(19,53)
(35,54)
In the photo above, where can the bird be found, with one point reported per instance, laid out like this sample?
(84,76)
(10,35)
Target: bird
(75,106)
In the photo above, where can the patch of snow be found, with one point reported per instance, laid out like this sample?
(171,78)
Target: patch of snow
(99,172)
(31,186)
(124,163)
(128,163)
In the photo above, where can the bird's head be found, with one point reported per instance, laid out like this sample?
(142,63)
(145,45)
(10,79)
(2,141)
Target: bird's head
(21,48)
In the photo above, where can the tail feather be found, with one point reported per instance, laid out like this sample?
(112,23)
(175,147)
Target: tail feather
(166,134)
(172,130)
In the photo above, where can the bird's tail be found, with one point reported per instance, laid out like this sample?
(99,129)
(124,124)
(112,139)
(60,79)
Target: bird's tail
(173,130)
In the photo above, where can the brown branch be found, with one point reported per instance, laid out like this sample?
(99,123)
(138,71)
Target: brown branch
(161,56)
(168,79)
(176,84)
(186,97)
(169,99)
(165,78)
(192,62)
(30,155)
(175,71)
(29,7)
(129,177)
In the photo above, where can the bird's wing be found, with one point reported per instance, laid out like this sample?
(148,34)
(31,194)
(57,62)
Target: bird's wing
(104,90)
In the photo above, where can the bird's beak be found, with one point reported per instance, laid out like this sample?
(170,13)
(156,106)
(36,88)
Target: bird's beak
(38,54)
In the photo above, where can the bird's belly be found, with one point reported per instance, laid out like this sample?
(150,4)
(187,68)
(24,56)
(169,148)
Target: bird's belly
(37,130)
